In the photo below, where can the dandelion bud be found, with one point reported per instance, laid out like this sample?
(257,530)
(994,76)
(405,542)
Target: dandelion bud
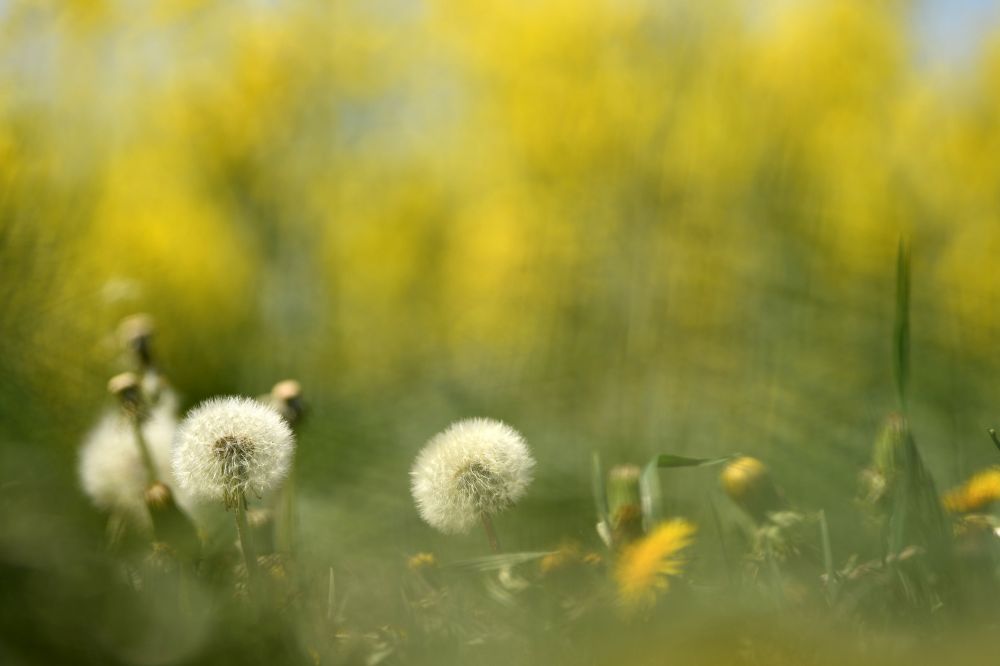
(624,504)
(286,396)
(136,332)
(890,447)
(127,388)
(228,447)
(170,525)
(748,483)
(474,469)
(912,506)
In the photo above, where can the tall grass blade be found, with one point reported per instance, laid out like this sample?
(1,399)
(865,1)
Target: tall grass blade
(649,482)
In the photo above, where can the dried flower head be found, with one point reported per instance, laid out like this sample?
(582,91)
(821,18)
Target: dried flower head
(227,447)
(644,567)
(111,469)
(477,467)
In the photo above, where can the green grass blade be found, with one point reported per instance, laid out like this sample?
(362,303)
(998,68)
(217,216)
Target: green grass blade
(649,482)
(496,562)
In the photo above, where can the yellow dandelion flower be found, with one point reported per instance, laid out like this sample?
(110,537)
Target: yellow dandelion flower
(976,493)
(644,567)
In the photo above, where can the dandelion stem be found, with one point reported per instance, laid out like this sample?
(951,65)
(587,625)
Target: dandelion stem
(993,436)
(140,441)
(491,533)
(285,527)
(246,540)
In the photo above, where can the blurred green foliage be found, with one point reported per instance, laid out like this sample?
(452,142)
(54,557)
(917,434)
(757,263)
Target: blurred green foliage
(626,227)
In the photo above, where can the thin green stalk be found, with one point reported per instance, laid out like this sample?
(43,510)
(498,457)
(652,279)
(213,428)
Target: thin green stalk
(140,441)
(285,526)
(246,541)
(491,533)
(722,542)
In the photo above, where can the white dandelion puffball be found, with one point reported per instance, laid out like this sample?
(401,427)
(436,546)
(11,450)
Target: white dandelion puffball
(111,469)
(476,467)
(228,447)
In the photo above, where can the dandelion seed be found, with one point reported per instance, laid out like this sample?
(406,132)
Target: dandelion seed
(644,568)
(228,447)
(471,471)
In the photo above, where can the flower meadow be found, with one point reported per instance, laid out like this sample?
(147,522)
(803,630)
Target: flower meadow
(438,332)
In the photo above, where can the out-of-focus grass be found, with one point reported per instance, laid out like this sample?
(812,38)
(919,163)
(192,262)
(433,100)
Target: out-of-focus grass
(624,227)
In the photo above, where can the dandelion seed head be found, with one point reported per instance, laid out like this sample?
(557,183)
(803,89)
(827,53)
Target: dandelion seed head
(111,470)
(644,568)
(228,447)
(475,467)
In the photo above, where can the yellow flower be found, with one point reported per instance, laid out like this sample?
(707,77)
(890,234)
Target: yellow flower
(976,493)
(644,567)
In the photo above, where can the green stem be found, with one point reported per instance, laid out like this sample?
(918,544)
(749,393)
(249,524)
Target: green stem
(246,541)
(491,533)
(285,527)
(140,441)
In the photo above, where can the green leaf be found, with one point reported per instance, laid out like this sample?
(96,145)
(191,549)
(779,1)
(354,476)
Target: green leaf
(649,482)
(495,562)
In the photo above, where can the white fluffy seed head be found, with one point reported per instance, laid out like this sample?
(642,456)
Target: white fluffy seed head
(229,447)
(475,467)
(110,465)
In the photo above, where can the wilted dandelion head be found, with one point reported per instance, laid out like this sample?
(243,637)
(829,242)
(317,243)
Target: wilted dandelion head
(227,447)
(975,494)
(110,466)
(644,567)
(476,467)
